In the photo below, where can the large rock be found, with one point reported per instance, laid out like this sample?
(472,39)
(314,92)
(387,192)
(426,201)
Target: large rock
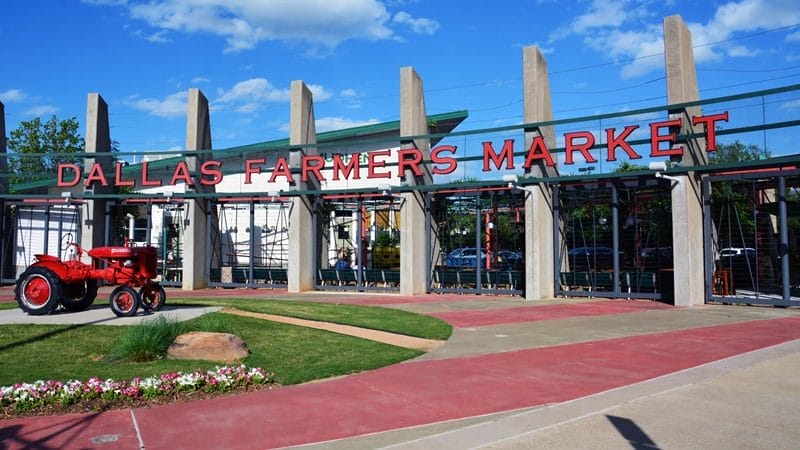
(221,347)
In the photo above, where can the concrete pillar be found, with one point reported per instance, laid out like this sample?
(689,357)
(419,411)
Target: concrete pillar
(687,200)
(302,131)
(413,122)
(195,234)
(539,265)
(97,140)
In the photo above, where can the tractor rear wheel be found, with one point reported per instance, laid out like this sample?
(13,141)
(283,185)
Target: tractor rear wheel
(38,291)
(78,296)
(153,297)
(124,301)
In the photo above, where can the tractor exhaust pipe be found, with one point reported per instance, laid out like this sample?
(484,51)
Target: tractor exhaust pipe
(131,222)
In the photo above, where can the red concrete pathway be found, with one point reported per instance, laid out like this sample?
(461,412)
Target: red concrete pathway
(413,393)
(548,312)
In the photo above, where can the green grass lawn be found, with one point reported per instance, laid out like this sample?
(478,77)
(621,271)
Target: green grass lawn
(295,354)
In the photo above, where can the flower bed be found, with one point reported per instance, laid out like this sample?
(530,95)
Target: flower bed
(41,396)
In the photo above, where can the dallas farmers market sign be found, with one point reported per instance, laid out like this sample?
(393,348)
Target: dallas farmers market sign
(379,163)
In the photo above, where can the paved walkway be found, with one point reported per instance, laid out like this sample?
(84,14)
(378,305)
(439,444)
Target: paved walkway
(556,374)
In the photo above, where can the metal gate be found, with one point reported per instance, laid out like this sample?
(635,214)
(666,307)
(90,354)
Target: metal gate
(250,244)
(360,242)
(752,237)
(37,229)
(159,224)
(477,241)
(614,239)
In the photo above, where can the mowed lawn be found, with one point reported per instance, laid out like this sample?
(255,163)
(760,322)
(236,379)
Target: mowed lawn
(294,354)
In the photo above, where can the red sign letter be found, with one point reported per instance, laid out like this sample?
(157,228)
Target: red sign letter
(619,141)
(118,181)
(145,181)
(374,164)
(656,138)
(316,168)
(345,169)
(212,169)
(281,169)
(181,172)
(249,170)
(452,163)
(507,154)
(412,164)
(538,150)
(96,174)
(583,148)
(76,170)
(711,133)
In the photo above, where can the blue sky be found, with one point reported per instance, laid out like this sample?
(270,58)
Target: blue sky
(142,56)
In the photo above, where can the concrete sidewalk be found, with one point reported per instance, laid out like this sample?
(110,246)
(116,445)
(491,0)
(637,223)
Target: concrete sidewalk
(556,374)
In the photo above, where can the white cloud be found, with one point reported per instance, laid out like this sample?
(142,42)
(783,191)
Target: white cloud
(245,23)
(159,37)
(601,28)
(319,92)
(251,95)
(339,123)
(335,123)
(199,80)
(253,90)
(12,96)
(792,104)
(41,110)
(173,105)
(420,26)
(793,37)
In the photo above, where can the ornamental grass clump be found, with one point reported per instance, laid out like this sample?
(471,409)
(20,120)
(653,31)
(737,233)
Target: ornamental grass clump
(28,397)
(146,341)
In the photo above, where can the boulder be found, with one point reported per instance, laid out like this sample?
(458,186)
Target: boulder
(220,347)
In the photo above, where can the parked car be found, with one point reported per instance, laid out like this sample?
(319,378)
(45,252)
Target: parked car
(468,257)
(591,258)
(510,260)
(737,251)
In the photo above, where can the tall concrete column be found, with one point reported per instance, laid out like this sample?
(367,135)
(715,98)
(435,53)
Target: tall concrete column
(687,199)
(302,131)
(195,235)
(539,265)
(98,141)
(413,122)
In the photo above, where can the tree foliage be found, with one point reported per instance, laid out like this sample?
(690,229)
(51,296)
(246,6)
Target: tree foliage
(737,152)
(36,148)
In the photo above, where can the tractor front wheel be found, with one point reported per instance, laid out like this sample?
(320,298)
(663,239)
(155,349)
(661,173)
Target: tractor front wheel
(78,296)
(124,301)
(38,291)
(153,297)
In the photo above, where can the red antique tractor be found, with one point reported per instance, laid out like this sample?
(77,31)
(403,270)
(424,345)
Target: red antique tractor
(50,281)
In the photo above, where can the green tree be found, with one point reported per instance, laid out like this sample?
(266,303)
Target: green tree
(737,152)
(36,148)
(626,166)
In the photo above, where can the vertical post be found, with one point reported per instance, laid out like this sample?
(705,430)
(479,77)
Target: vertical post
(615,236)
(687,205)
(98,141)
(783,216)
(413,122)
(3,191)
(302,234)
(198,137)
(539,235)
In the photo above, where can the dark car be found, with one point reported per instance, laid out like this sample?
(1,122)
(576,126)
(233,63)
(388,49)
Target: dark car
(591,258)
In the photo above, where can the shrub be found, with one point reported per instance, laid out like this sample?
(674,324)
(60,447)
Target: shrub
(146,341)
